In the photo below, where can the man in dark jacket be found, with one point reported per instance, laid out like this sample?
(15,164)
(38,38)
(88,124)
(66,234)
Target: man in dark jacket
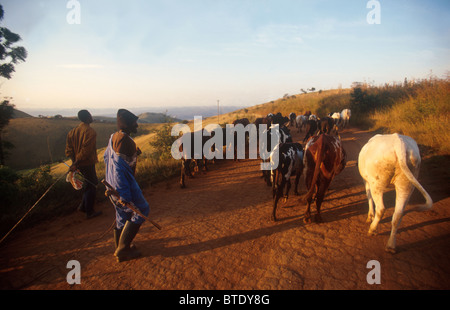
(81,149)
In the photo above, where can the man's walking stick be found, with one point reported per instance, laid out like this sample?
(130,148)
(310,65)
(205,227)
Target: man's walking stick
(113,192)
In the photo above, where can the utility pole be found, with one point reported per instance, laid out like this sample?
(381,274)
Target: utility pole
(218,113)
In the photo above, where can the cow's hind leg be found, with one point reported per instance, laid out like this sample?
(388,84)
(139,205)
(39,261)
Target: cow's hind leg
(371,213)
(377,197)
(288,188)
(401,199)
(307,218)
(277,196)
(308,184)
(321,191)
(297,179)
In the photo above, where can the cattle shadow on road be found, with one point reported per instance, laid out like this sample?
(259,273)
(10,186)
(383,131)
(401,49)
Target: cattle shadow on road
(229,240)
(414,226)
(345,211)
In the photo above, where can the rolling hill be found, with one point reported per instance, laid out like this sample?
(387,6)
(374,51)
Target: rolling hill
(39,141)
(20,114)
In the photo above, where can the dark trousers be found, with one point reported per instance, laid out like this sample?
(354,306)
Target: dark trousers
(90,188)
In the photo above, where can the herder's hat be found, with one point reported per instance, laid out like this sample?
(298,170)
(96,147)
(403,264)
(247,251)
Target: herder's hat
(125,118)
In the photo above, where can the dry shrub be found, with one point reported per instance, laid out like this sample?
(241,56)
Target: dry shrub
(424,115)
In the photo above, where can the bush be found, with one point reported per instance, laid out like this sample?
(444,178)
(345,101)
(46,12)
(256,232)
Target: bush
(162,143)
(423,114)
(8,187)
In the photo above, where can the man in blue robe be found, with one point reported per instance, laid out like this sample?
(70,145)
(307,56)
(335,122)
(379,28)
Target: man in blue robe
(120,164)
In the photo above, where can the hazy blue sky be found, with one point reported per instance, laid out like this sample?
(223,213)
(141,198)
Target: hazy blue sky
(195,52)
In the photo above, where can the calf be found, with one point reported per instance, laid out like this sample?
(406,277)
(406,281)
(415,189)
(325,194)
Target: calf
(290,162)
(324,158)
(390,159)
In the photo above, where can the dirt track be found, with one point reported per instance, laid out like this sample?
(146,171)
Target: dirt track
(217,234)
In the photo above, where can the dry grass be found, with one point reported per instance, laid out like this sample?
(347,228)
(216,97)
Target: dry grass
(424,115)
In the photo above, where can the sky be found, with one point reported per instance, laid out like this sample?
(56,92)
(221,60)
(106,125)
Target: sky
(148,53)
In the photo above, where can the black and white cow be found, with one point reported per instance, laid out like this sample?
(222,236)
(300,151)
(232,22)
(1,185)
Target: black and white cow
(284,136)
(290,163)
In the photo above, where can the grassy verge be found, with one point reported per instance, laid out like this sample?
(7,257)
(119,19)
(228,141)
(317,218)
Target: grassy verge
(423,115)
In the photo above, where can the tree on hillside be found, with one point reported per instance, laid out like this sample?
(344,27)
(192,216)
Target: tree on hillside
(6,113)
(10,55)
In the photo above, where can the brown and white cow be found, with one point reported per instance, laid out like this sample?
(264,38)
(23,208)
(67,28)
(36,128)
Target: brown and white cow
(385,160)
(324,158)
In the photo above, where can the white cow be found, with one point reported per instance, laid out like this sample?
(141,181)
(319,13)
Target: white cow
(384,160)
(336,116)
(345,117)
(300,122)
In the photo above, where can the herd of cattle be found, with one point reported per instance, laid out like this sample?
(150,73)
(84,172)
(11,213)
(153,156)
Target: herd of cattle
(384,160)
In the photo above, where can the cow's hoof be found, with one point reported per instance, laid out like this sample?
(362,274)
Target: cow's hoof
(318,218)
(371,233)
(390,250)
(307,220)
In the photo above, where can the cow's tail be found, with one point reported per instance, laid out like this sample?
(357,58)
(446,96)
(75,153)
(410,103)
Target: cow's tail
(318,160)
(401,156)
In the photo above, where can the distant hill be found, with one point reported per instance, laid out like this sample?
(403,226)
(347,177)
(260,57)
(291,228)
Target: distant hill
(189,112)
(144,118)
(109,114)
(20,114)
(151,118)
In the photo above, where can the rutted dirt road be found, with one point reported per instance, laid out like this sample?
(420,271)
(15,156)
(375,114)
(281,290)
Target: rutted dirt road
(217,234)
